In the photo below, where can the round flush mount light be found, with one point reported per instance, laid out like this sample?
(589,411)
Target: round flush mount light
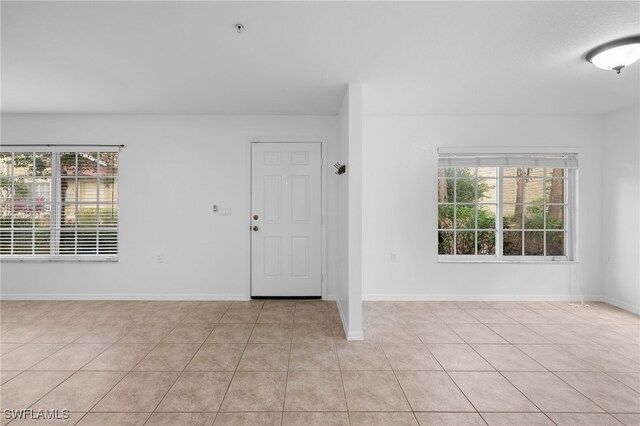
(615,55)
(239,27)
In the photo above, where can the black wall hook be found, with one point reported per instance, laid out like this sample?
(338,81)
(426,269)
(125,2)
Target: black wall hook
(341,168)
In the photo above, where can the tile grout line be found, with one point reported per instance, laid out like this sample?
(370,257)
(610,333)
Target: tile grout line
(453,381)
(233,375)
(80,369)
(186,364)
(286,381)
(509,381)
(132,369)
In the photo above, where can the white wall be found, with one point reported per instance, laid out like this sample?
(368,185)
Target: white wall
(350,212)
(343,213)
(400,212)
(621,207)
(173,169)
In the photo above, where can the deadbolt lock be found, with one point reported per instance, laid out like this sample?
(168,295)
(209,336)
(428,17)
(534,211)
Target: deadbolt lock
(255,217)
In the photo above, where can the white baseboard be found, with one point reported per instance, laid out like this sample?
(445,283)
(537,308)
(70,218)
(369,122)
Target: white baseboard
(127,296)
(479,298)
(355,335)
(622,305)
(350,335)
(343,318)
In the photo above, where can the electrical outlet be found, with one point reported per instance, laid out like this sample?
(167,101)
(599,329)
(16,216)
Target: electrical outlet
(159,258)
(394,257)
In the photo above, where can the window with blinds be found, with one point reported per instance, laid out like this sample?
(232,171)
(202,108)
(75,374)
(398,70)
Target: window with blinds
(506,206)
(59,205)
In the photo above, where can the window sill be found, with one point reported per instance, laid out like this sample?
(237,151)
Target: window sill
(521,260)
(58,259)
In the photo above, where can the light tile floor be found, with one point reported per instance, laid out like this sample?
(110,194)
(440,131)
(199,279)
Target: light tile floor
(287,363)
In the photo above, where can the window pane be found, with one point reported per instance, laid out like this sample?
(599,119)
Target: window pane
(555,173)
(487,243)
(87,242)
(487,190)
(87,217)
(533,243)
(108,164)
(68,163)
(87,164)
(108,216)
(487,172)
(22,241)
(555,191)
(6,163)
(43,215)
(465,216)
(512,216)
(5,215)
(67,241)
(5,241)
(465,190)
(23,215)
(109,190)
(445,242)
(511,171)
(22,190)
(23,164)
(534,191)
(555,243)
(512,243)
(533,216)
(466,172)
(87,190)
(42,190)
(68,214)
(43,163)
(555,217)
(486,216)
(465,242)
(68,189)
(445,216)
(42,241)
(108,242)
(512,190)
(446,172)
(445,190)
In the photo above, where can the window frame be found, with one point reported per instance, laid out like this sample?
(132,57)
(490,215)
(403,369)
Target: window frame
(570,223)
(55,228)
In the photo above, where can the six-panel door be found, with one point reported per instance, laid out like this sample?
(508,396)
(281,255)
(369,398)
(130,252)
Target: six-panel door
(286,197)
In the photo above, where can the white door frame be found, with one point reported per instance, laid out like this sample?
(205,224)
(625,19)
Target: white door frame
(324,185)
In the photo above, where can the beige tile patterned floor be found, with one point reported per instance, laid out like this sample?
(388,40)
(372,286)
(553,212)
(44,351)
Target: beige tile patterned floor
(287,363)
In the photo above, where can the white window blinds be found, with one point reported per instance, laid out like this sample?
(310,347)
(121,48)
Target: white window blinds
(59,203)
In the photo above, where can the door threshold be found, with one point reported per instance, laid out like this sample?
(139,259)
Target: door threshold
(286,297)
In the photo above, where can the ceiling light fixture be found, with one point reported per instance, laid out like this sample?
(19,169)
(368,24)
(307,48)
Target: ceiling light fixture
(239,27)
(616,54)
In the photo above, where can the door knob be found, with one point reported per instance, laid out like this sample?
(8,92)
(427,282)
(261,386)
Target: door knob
(255,228)
(255,217)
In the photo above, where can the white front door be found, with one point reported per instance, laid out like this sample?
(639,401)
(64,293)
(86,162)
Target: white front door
(286,219)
